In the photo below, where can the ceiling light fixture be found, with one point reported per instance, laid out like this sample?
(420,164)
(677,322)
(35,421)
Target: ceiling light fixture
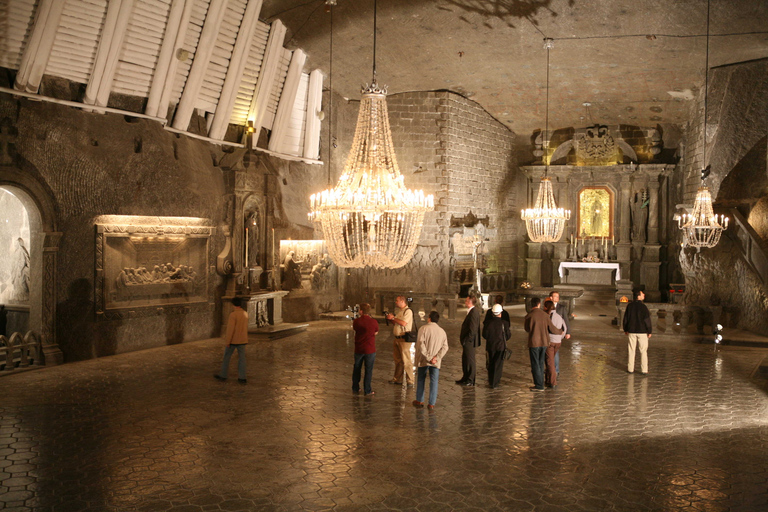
(370,219)
(545,221)
(702,228)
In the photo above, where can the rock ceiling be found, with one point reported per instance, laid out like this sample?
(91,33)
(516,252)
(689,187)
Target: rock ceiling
(635,62)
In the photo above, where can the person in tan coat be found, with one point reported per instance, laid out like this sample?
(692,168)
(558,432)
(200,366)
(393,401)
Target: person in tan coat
(236,338)
(539,326)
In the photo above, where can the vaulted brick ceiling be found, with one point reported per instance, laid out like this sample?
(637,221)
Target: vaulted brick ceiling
(636,61)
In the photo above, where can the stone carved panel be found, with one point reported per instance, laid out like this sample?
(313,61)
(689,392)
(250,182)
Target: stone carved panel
(139,266)
(306,265)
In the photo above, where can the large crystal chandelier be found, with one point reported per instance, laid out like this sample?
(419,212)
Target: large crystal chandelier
(545,221)
(702,228)
(370,218)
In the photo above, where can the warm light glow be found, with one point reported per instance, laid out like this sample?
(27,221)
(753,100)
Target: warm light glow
(370,218)
(545,221)
(702,228)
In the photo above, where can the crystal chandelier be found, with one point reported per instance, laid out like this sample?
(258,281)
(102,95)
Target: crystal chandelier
(545,221)
(702,228)
(370,218)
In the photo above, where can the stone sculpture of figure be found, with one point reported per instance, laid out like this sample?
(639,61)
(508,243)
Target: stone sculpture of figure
(318,278)
(20,276)
(156,274)
(122,279)
(252,225)
(639,216)
(291,273)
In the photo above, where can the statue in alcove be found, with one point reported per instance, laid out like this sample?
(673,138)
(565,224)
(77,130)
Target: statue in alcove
(252,239)
(640,216)
(20,276)
(597,217)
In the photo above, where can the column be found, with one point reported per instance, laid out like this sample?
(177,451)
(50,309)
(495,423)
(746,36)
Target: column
(52,354)
(653,210)
(651,264)
(624,246)
(534,263)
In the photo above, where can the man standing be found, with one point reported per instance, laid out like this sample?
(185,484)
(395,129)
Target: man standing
(553,348)
(366,329)
(538,325)
(236,338)
(470,339)
(496,334)
(562,310)
(403,322)
(637,325)
(431,347)
(499,299)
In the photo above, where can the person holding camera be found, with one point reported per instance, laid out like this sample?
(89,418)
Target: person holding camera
(403,323)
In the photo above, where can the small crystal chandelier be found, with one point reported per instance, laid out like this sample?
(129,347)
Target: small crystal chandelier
(545,221)
(370,218)
(702,228)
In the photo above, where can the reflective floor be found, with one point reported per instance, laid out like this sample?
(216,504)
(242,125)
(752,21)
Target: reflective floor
(154,431)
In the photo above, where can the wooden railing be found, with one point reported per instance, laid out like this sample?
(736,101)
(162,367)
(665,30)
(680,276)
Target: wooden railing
(674,319)
(751,246)
(19,351)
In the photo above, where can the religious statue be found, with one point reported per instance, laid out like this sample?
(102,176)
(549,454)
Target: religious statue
(639,215)
(291,273)
(597,217)
(252,240)
(320,275)
(20,275)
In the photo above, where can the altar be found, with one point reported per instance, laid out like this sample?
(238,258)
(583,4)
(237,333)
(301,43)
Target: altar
(579,272)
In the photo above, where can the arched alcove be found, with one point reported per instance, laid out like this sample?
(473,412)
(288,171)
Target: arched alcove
(35,198)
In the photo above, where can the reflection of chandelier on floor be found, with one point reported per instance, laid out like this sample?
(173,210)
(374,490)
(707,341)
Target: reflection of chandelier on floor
(545,221)
(370,218)
(702,228)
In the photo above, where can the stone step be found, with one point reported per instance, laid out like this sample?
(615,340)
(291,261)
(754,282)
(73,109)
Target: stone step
(274,332)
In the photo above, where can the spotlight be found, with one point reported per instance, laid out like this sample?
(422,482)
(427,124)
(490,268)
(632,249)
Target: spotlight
(716,331)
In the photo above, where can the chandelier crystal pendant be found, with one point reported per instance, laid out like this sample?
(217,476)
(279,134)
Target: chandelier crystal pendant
(545,222)
(702,228)
(370,219)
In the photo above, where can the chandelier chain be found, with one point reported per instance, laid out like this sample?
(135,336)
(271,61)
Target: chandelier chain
(706,94)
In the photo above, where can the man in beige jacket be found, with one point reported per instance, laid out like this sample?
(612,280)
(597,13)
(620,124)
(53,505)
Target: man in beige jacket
(236,338)
(431,347)
(402,322)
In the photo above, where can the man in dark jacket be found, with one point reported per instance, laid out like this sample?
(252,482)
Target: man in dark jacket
(489,314)
(538,325)
(637,325)
(470,339)
(496,334)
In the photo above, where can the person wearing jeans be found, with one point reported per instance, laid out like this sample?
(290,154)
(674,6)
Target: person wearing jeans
(539,326)
(366,329)
(431,347)
(237,339)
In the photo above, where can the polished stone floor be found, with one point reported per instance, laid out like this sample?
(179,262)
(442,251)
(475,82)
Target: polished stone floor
(153,431)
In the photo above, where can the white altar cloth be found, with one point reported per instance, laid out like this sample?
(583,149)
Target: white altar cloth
(582,264)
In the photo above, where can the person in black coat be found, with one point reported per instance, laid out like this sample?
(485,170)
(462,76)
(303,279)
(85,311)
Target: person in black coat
(499,299)
(470,339)
(638,327)
(496,334)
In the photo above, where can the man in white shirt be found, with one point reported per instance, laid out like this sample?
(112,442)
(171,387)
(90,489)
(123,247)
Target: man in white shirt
(431,347)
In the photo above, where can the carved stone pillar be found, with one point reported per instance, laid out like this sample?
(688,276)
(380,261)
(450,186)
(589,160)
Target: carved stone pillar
(534,263)
(653,210)
(52,354)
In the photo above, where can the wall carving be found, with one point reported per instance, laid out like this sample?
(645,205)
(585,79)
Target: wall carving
(141,266)
(306,265)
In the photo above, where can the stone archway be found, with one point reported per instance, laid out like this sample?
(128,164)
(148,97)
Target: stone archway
(21,180)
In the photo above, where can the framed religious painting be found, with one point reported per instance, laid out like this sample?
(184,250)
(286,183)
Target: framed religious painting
(595,212)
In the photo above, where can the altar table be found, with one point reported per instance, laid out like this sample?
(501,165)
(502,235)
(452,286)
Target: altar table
(598,279)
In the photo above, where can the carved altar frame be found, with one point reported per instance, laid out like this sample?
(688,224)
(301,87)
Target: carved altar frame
(611,207)
(201,302)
